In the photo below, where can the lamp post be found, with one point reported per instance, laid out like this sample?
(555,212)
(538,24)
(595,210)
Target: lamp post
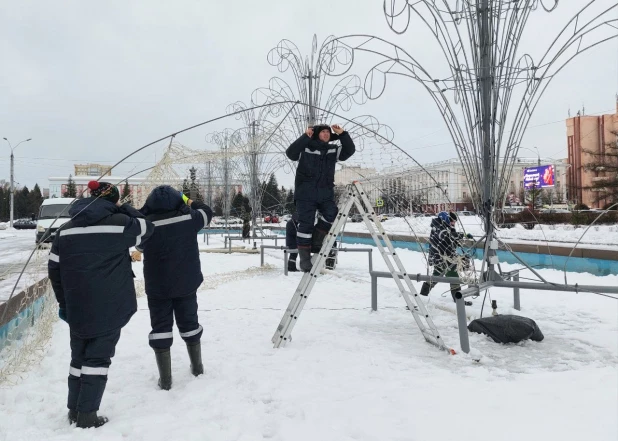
(538,154)
(12,167)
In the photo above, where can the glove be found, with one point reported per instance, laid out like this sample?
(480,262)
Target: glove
(136,256)
(469,236)
(184,198)
(62,313)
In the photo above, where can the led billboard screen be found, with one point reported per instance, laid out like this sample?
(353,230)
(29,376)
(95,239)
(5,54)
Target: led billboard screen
(539,177)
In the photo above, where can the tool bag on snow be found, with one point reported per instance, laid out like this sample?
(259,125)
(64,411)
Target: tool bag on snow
(507,328)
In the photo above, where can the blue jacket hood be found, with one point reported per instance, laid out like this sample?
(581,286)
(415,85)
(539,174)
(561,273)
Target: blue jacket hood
(163,199)
(89,211)
(436,222)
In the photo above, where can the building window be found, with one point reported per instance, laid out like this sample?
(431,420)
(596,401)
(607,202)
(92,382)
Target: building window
(465,194)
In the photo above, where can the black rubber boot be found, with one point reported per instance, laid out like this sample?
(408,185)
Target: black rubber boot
(164,363)
(195,355)
(72,416)
(292,265)
(85,420)
(305,259)
(316,239)
(425,289)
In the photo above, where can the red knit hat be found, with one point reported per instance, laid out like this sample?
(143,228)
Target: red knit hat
(104,190)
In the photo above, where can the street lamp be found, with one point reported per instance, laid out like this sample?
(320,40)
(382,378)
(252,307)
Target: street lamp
(12,189)
(538,154)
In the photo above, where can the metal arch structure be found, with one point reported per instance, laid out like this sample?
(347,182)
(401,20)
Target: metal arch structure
(263,143)
(480,42)
(164,172)
(316,106)
(307,100)
(309,76)
(228,142)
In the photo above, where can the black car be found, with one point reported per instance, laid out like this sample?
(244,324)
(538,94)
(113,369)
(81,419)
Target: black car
(356,218)
(24,224)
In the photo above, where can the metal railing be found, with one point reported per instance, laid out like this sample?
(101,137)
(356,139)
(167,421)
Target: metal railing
(287,251)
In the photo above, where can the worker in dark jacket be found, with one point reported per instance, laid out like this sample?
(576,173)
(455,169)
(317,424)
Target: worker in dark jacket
(90,272)
(173,273)
(291,228)
(314,184)
(443,243)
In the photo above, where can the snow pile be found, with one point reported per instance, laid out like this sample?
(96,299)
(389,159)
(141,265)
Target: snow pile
(349,374)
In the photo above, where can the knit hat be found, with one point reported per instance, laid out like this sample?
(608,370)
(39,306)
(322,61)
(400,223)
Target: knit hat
(318,128)
(104,190)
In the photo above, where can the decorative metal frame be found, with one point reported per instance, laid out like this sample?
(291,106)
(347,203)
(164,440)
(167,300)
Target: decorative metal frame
(480,41)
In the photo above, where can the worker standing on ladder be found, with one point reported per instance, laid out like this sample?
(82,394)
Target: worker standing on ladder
(315,184)
(443,243)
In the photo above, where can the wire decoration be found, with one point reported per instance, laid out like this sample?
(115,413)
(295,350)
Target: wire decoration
(476,97)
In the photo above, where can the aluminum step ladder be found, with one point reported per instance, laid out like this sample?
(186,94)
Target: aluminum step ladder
(356,196)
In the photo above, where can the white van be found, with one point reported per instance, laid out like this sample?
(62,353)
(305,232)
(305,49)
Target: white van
(49,211)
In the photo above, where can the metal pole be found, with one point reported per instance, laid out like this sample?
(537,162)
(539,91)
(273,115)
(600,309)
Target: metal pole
(254,183)
(516,300)
(311,109)
(462,323)
(12,191)
(374,292)
(209,186)
(370,253)
(12,199)
(485,84)
(286,258)
(261,256)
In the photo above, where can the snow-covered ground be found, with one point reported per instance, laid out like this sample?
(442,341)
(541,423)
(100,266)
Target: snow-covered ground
(603,236)
(349,373)
(15,248)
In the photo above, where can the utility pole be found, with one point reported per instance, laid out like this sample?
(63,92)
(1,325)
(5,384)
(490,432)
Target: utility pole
(226,191)
(12,178)
(209,185)
(254,181)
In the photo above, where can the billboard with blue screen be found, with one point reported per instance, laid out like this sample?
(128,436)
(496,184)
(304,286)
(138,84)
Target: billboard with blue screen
(539,177)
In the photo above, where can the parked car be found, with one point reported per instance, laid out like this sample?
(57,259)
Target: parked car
(554,210)
(465,213)
(356,218)
(286,217)
(271,219)
(24,224)
(53,214)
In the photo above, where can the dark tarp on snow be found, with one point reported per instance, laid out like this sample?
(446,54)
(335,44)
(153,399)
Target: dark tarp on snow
(507,328)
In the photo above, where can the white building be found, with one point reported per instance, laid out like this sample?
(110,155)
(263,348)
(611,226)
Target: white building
(442,185)
(138,186)
(347,174)
(58,185)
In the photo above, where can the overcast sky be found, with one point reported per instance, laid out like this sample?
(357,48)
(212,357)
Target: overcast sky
(92,81)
